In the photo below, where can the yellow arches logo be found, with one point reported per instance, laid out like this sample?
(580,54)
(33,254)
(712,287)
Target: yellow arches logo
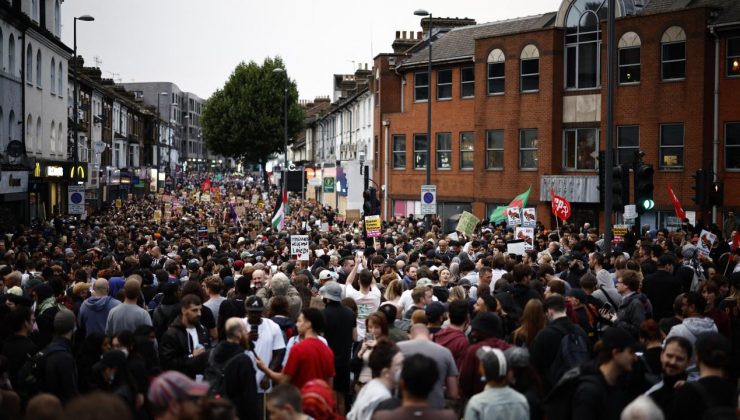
(79,170)
(37,170)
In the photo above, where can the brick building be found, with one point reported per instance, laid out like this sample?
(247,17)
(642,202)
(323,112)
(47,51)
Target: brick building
(522,103)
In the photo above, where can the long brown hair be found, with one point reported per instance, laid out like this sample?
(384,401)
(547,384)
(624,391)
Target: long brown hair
(532,322)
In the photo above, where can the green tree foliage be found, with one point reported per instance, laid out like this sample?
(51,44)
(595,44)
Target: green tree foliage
(244,119)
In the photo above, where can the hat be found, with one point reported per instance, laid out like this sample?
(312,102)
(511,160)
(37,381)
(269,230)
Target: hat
(577,293)
(193,265)
(68,252)
(464,283)
(254,304)
(33,282)
(617,338)
(174,386)
(64,322)
(15,290)
(423,282)
(238,264)
(325,275)
(487,323)
(390,261)
(331,291)
(240,240)
(435,311)
(110,359)
(244,255)
(688,251)
(517,356)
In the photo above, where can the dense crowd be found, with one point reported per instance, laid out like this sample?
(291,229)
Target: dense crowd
(190,305)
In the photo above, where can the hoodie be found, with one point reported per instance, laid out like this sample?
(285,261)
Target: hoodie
(239,380)
(94,313)
(605,290)
(690,329)
(455,341)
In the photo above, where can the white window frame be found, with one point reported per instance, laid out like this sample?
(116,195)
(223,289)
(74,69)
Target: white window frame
(420,164)
(399,139)
(470,151)
(522,150)
(530,53)
(672,36)
(495,58)
(443,150)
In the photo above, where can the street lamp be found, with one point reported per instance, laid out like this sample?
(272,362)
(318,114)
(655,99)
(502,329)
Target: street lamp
(285,126)
(75,118)
(422,12)
(159,143)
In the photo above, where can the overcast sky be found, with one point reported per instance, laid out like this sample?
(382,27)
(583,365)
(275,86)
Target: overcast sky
(197,44)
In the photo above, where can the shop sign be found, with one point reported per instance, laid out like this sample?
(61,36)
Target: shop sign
(13,182)
(54,171)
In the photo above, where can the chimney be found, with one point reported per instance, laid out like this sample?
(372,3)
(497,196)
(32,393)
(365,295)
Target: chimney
(398,34)
(404,35)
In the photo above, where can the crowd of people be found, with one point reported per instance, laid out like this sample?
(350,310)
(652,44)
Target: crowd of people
(190,305)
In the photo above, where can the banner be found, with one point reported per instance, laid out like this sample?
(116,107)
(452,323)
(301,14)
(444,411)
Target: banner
(373,226)
(560,206)
(299,247)
(467,223)
(676,204)
(529,217)
(513,216)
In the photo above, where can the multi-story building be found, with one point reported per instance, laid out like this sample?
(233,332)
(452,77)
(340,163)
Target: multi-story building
(522,103)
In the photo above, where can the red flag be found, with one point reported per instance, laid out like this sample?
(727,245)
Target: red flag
(560,206)
(205,186)
(676,205)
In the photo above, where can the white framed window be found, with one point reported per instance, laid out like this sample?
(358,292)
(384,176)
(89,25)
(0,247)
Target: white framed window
(467,82)
(673,54)
(583,43)
(60,80)
(57,19)
(671,146)
(732,146)
(494,149)
(444,84)
(629,58)
(530,69)
(11,55)
(29,64)
(580,148)
(444,150)
(628,143)
(496,72)
(467,150)
(420,151)
(53,138)
(39,135)
(528,144)
(38,68)
(2,55)
(421,86)
(52,75)
(35,10)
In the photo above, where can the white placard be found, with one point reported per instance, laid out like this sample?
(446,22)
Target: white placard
(526,234)
(516,248)
(529,217)
(513,216)
(299,246)
(706,240)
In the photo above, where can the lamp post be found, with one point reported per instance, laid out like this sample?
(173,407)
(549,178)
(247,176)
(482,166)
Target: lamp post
(422,12)
(75,119)
(159,143)
(285,126)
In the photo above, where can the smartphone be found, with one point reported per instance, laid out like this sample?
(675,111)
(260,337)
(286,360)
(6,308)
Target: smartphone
(360,253)
(607,306)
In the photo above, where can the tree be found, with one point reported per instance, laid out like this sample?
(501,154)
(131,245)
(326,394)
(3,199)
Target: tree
(244,119)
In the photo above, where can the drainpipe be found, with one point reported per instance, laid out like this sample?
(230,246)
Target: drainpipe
(715,111)
(386,165)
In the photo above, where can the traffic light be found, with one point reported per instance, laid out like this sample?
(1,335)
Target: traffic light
(700,188)
(716,194)
(620,187)
(644,188)
(370,202)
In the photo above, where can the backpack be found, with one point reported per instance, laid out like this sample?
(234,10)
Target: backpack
(558,403)
(287,326)
(646,305)
(32,373)
(572,352)
(215,375)
(713,410)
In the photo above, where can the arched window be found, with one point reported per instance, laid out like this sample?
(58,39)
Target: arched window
(57,19)
(582,43)
(30,145)
(530,69)
(2,138)
(2,56)
(29,64)
(63,144)
(38,67)
(52,75)
(496,72)
(53,137)
(39,135)
(629,58)
(11,125)
(35,10)
(60,80)
(673,54)
(11,55)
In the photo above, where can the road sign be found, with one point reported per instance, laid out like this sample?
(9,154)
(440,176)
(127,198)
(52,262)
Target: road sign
(428,199)
(76,199)
(329,184)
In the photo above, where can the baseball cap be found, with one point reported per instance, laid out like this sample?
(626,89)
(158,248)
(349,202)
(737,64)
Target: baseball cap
(424,282)
(174,386)
(193,265)
(238,264)
(487,323)
(254,304)
(464,283)
(435,311)
(332,291)
(325,275)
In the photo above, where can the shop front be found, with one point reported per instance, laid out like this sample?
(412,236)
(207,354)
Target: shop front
(47,187)
(13,197)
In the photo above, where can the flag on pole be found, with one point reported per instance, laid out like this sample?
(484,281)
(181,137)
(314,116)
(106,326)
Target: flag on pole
(560,206)
(205,186)
(520,201)
(676,205)
(278,219)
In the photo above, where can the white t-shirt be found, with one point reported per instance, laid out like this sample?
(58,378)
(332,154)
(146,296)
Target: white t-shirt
(270,339)
(193,337)
(407,302)
(366,304)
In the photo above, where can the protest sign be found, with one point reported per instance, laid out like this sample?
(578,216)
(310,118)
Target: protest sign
(373,226)
(513,216)
(706,240)
(299,247)
(516,247)
(467,223)
(526,234)
(529,217)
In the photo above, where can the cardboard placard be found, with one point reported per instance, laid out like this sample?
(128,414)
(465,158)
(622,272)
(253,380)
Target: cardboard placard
(513,216)
(516,248)
(529,217)
(299,247)
(526,234)
(373,226)
(467,223)
(706,241)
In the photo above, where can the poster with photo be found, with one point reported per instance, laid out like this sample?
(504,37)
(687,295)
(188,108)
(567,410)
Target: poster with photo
(526,234)
(514,216)
(529,217)
(706,240)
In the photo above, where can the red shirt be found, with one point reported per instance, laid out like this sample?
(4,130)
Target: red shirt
(309,359)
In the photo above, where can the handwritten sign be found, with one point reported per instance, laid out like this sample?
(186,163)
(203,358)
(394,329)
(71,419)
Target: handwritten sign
(467,223)
(299,246)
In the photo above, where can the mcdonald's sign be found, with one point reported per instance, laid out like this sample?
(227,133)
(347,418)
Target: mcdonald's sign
(77,172)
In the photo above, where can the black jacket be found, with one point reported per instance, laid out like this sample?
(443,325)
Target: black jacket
(60,370)
(240,381)
(594,398)
(17,349)
(523,293)
(661,288)
(176,349)
(546,345)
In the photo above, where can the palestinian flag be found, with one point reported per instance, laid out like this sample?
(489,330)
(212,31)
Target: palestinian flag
(519,201)
(278,218)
